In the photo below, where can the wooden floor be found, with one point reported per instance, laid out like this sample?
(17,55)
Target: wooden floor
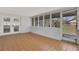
(33,42)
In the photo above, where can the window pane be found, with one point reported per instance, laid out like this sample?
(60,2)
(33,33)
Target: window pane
(36,21)
(6,28)
(7,19)
(47,16)
(16,20)
(41,21)
(16,28)
(56,20)
(32,21)
(56,15)
(47,21)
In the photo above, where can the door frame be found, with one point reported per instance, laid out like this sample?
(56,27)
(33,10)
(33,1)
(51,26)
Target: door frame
(11,22)
(75,9)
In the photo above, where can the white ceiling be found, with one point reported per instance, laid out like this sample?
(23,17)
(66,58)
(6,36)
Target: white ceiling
(26,11)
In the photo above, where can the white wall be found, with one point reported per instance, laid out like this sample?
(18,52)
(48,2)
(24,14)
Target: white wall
(25,24)
(48,32)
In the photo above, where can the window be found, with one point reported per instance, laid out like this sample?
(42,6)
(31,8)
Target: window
(16,28)
(7,19)
(36,21)
(69,22)
(16,20)
(55,20)
(47,21)
(40,20)
(6,28)
(32,21)
(6,24)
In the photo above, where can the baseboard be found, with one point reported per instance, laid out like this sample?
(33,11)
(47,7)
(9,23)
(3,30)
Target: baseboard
(70,42)
(13,33)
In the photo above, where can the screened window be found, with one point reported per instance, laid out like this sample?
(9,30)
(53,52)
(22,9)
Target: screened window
(32,21)
(56,20)
(47,21)
(6,28)
(16,28)
(36,21)
(40,20)
(16,20)
(7,19)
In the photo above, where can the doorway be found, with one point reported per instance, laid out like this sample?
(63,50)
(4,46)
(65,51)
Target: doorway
(70,25)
